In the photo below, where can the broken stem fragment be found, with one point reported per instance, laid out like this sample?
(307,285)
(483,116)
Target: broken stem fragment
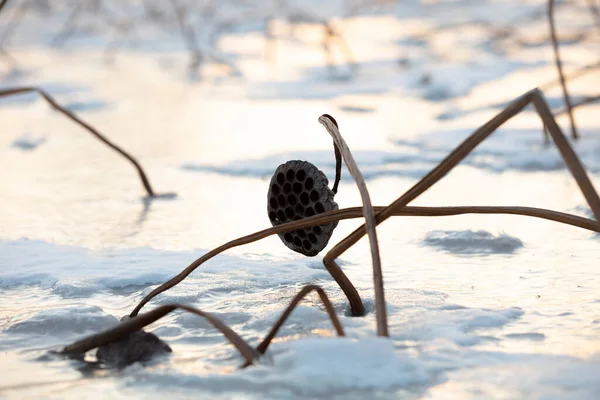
(70,115)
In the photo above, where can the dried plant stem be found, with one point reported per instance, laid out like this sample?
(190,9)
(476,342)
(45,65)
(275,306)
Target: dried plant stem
(356,212)
(381,315)
(579,72)
(338,168)
(126,328)
(534,96)
(262,347)
(558,62)
(583,102)
(86,126)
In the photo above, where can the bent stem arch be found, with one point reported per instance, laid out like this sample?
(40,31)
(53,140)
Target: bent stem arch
(126,328)
(534,96)
(262,347)
(70,115)
(331,126)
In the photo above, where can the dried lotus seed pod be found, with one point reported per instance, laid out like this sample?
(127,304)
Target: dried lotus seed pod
(297,190)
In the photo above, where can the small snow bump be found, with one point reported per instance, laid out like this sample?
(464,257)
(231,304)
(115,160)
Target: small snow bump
(533,336)
(472,242)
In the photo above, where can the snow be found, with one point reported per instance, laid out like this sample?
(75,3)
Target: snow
(469,242)
(479,306)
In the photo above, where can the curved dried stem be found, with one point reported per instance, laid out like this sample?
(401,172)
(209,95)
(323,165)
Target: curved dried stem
(534,96)
(583,102)
(356,212)
(70,115)
(338,168)
(558,62)
(126,328)
(331,126)
(262,347)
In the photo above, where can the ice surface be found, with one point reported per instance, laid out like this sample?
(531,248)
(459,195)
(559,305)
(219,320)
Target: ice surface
(479,306)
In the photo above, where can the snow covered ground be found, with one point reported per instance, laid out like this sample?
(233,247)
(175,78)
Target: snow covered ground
(479,306)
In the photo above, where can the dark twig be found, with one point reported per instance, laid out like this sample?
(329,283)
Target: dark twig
(126,328)
(558,62)
(338,168)
(86,126)
(332,128)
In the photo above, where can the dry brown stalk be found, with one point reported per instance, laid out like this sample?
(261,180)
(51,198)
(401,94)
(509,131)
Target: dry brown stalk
(534,96)
(332,128)
(579,72)
(126,328)
(70,115)
(558,62)
(356,212)
(583,102)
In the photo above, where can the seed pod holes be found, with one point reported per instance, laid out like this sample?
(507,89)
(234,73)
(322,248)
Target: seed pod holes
(298,190)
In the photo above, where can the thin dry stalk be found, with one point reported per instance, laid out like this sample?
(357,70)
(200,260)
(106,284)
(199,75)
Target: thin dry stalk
(332,128)
(356,212)
(558,62)
(534,96)
(586,101)
(262,347)
(70,115)
(338,168)
(126,328)
(579,72)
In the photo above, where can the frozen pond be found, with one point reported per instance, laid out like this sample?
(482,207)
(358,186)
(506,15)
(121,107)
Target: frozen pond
(479,306)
